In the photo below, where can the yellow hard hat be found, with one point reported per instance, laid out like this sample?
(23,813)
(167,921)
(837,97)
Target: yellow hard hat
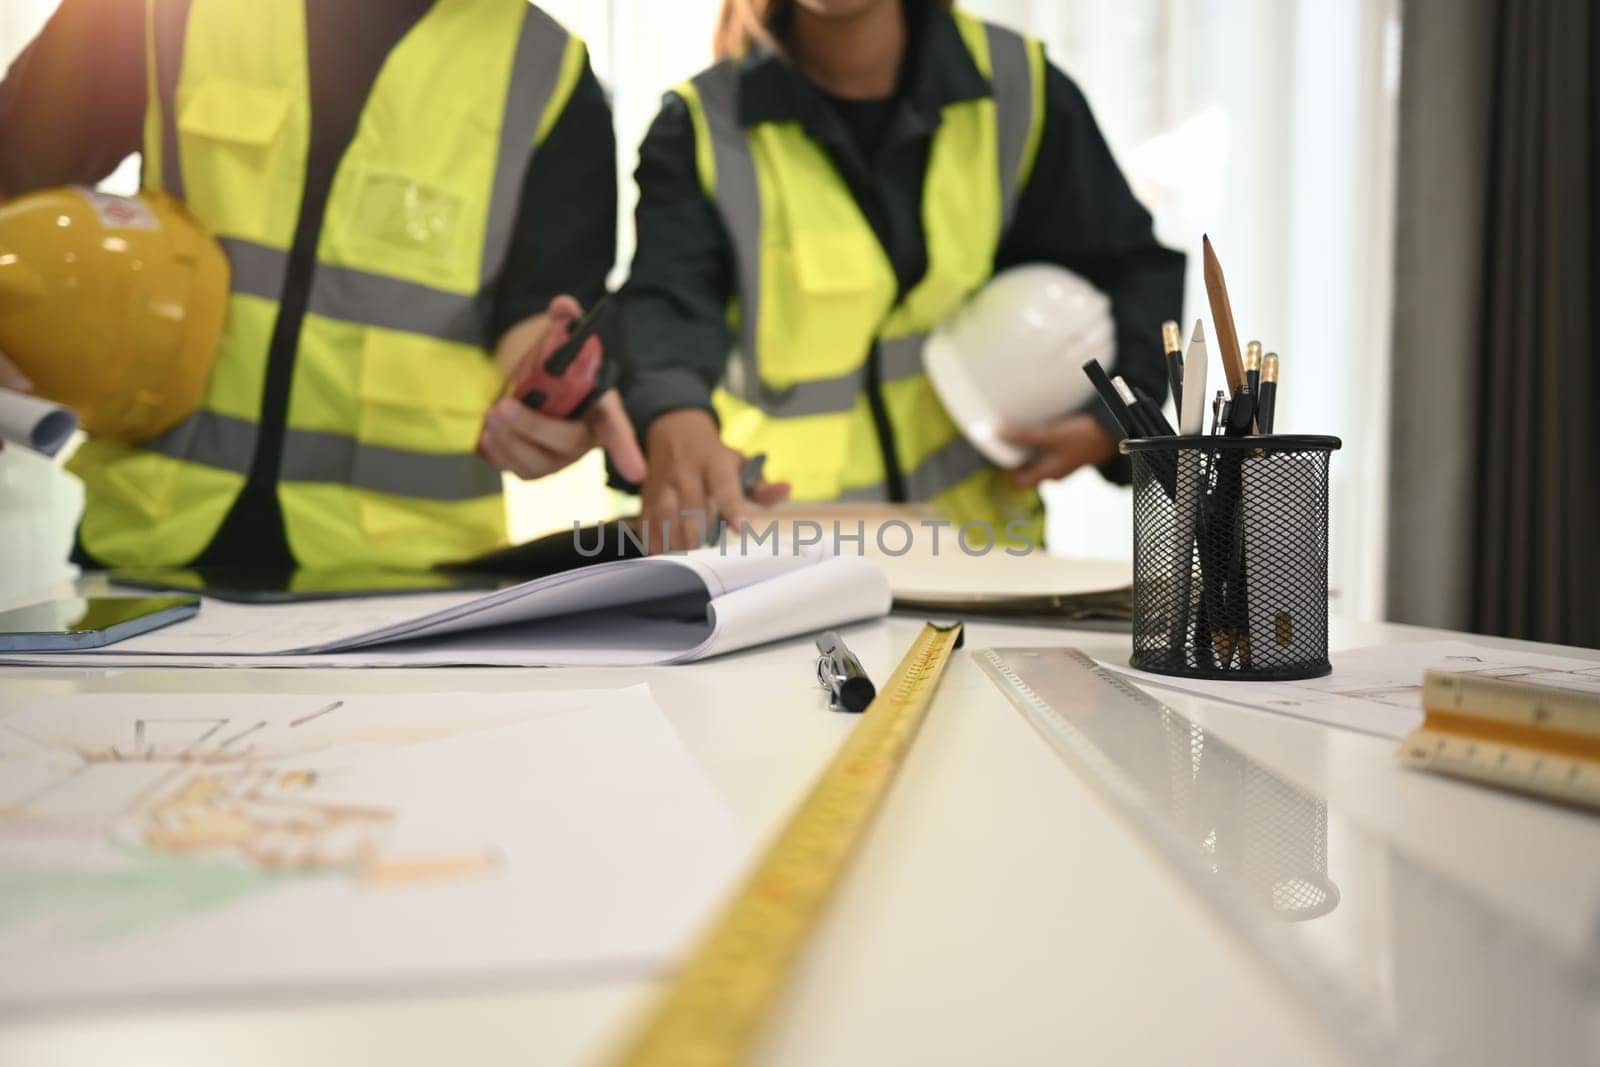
(112,305)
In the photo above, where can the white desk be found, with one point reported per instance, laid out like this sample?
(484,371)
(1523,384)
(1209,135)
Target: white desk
(1000,913)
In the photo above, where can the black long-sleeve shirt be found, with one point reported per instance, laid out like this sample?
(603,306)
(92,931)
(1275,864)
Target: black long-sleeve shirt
(1076,210)
(72,107)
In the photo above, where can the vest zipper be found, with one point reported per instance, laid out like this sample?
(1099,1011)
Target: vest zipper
(894,478)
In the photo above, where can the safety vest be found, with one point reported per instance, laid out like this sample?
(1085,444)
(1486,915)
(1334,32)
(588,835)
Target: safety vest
(392,376)
(816,293)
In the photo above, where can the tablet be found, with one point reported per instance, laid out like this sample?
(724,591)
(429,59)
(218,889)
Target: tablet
(89,622)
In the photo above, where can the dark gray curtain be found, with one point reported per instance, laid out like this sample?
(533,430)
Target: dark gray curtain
(1495,517)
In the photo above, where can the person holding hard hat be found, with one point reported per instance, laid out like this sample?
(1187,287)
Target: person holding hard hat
(845,177)
(413,197)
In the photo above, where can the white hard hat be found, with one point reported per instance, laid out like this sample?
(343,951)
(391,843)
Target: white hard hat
(1013,354)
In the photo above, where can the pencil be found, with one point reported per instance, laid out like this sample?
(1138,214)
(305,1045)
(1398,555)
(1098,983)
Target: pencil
(1222,317)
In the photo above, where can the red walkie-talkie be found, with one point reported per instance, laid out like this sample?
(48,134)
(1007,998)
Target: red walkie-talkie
(565,386)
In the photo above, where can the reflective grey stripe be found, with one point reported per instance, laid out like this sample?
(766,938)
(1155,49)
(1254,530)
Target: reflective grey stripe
(535,70)
(900,357)
(312,456)
(378,300)
(206,437)
(949,466)
(827,397)
(872,494)
(256,269)
(1012,85)
(351,295)
(738,197)
(171,26)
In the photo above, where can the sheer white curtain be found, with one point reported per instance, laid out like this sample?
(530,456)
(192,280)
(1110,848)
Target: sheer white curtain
(1268,124)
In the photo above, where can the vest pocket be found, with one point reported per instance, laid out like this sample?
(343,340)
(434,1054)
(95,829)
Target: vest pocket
(422,398)
(231,130)
(133,481)
(421,394)
(394,214)
(822,297)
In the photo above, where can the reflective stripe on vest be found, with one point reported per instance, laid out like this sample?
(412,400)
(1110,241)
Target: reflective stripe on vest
(951,465)
(1013,103)
(392,377)
(311,456)
(358,296)
(731,177)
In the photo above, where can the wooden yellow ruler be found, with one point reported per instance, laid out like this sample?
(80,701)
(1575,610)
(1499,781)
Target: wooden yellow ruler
(1530,738)
(712,1012)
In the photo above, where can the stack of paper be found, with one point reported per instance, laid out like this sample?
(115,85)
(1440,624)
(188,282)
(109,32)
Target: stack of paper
(664,609)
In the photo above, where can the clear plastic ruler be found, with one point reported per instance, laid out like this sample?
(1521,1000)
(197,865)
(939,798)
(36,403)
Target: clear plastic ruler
(1408,965)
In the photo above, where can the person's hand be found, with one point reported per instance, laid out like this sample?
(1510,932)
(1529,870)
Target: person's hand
(1060,448)
(530,445)
(692,471)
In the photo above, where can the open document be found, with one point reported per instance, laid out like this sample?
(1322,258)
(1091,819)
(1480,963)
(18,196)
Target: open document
(661,609)
(211,845)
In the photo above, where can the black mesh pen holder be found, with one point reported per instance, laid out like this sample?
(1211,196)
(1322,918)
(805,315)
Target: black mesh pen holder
(1230,556)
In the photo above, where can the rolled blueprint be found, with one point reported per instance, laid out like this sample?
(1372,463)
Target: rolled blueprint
(33,423)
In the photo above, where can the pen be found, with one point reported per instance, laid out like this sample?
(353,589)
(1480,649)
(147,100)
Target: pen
(1172,343)
(1192,416)
(1252,366)
(1210,534)
(1152,413)
(1242,417)
(1149,422)
(1141,417)
(1269,392)
(1108,396)
(841,674)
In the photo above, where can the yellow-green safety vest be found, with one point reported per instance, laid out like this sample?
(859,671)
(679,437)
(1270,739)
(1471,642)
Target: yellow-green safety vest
(392,375)
(816,292)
